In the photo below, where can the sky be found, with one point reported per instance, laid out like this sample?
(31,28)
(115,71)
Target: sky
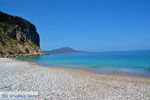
(91,25)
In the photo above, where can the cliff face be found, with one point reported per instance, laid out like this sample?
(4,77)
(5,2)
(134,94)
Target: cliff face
(18,37)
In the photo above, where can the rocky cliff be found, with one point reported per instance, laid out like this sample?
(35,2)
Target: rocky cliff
(18,37)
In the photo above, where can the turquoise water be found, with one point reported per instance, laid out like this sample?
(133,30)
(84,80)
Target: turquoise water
(131,62)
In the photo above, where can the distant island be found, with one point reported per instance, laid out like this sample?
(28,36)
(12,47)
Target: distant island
(62,50)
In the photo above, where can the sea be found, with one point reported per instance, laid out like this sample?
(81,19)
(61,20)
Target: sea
(115,62)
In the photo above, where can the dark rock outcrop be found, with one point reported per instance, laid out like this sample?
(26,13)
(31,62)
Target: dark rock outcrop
(18,37)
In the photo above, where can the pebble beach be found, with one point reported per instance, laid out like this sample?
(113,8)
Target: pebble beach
(53,83)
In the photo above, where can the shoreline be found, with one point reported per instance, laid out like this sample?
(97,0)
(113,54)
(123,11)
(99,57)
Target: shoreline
(87,69)
(69,84)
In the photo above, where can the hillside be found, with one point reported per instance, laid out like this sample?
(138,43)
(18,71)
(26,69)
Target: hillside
(18,37)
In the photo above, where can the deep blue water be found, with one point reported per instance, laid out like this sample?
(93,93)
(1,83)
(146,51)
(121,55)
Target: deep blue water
(131,62)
